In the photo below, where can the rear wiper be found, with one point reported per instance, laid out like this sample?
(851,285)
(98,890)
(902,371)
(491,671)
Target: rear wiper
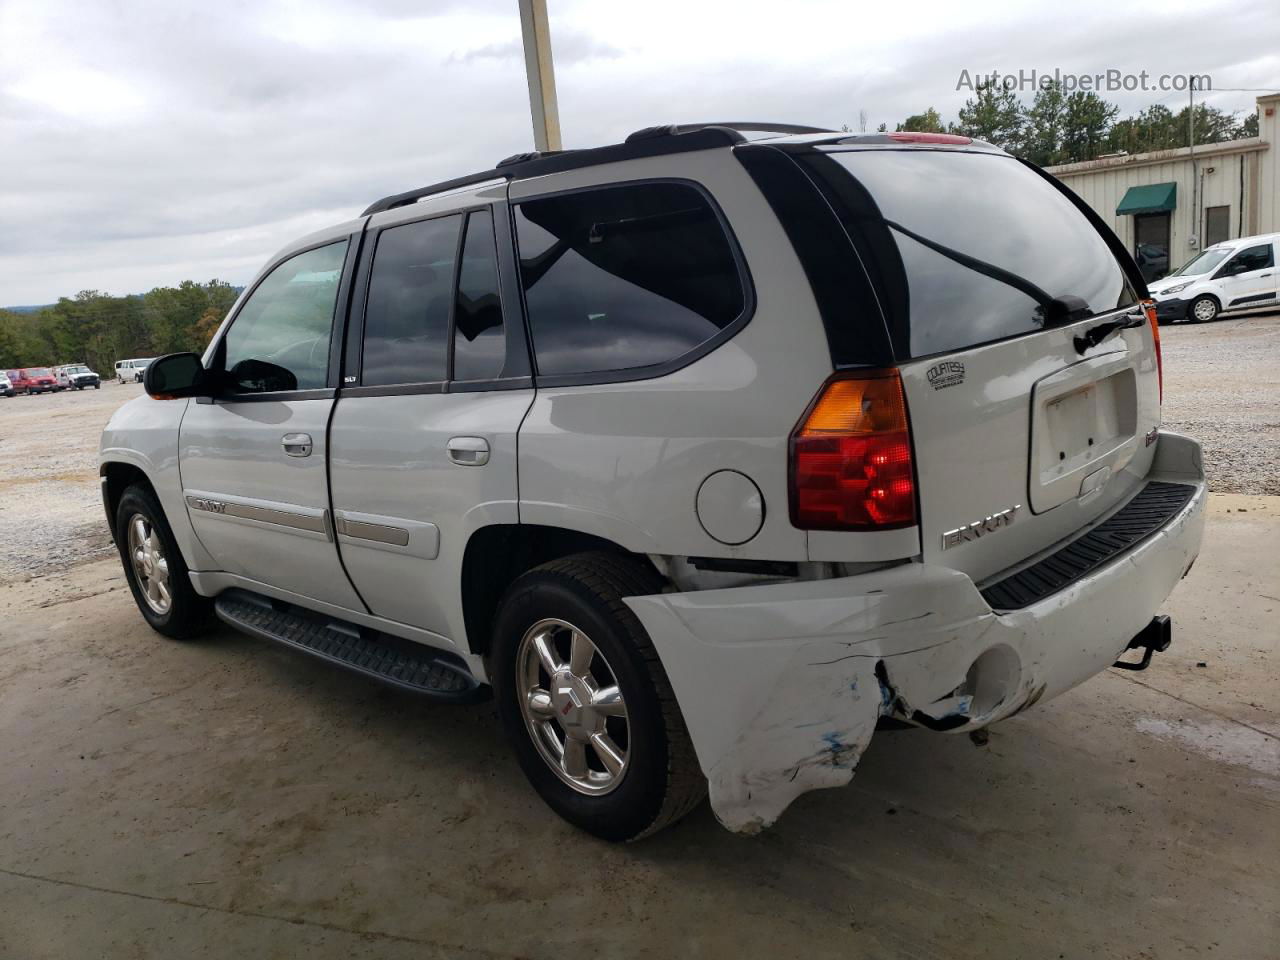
(1095,335)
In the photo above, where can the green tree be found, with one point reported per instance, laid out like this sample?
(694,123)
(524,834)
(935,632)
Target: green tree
(927,122)
(1085,123)
(1043,126)
(993,114)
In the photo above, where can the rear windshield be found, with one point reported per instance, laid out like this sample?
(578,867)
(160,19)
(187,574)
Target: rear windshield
(969,248)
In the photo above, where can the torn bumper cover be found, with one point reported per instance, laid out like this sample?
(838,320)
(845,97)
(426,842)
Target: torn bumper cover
(781,685)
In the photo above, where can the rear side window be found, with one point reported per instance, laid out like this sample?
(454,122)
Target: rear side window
(479,340)
(968,248)
(406,321)
(625,277)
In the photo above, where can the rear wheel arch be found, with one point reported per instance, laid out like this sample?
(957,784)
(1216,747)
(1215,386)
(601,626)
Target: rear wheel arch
(496,555)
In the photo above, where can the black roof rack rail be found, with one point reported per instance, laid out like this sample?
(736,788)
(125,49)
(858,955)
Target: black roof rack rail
(413,196)
(737,126)
(651,142)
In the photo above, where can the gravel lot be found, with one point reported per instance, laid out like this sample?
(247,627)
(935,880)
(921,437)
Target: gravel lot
(1222,385)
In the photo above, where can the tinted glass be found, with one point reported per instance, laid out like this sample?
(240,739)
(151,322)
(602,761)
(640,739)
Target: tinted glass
(479,340)
(280,338)
(967,248)
(624,277)
(406,321)
(1251,258)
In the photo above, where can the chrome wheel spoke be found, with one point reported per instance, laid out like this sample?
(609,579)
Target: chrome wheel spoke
(608,701)
(546,653)
(151,569)
(608,752)
(573,758)
(580,654)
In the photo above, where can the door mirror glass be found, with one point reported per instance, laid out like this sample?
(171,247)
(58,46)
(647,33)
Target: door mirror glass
(177,375)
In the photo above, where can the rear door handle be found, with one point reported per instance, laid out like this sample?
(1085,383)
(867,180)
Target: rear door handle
(469,451)
(297,444)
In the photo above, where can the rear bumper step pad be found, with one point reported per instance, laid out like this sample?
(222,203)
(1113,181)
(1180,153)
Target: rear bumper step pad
(401,663)
(1154,506)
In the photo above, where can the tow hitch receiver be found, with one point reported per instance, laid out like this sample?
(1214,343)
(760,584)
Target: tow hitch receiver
(1154,638)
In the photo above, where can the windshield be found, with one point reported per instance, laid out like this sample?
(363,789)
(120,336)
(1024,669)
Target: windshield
(39,372)
(1206,261)
(968,248)
(77,369)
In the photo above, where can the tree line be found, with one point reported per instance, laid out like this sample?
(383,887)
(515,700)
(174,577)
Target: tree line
(1060,127)
(99,329)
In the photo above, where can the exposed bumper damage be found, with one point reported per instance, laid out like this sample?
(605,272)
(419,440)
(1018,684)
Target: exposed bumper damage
(781,685)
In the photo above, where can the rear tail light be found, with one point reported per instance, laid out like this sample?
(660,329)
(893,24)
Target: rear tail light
(851,463)
(1150,307)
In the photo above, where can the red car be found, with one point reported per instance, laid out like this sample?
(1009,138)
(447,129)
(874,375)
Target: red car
(33,380)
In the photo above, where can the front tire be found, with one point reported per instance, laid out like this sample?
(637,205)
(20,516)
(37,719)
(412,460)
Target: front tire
(154,567)
(585,702)
(1203,309)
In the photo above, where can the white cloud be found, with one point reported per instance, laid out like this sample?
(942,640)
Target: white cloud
(147,141)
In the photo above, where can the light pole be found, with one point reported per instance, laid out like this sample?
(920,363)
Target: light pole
(541,73)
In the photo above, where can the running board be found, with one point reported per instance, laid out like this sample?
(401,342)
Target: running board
(399,662)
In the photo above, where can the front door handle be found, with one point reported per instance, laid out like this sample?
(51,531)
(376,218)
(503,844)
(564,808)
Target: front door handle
(469,451)
(297,444)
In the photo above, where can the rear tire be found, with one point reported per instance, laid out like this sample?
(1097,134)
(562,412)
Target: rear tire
(653,779)
(151,557)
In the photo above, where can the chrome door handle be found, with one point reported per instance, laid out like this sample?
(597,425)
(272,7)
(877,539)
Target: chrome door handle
(297,444)
(469,451)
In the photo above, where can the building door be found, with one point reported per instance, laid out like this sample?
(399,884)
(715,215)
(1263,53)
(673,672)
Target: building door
(1217,225)
(1151,244)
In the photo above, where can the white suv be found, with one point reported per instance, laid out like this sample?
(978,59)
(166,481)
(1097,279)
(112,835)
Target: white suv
(707,455)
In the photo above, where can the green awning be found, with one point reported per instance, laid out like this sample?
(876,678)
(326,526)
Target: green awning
(1151,198)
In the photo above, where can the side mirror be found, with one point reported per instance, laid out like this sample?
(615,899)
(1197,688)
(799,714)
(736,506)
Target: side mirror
(177,375)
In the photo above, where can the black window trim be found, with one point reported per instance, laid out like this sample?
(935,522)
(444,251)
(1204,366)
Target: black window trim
(515,371)
(654,370)
(336,330)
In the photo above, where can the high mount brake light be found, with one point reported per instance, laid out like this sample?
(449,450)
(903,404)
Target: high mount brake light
(851,461)
(951,138)
(1150,307)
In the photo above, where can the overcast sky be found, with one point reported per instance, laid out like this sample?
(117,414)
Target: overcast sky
(144,142)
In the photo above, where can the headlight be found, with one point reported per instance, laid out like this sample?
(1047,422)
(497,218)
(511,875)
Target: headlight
(1178,287)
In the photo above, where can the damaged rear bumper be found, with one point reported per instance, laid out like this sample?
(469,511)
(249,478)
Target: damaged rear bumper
(781,685)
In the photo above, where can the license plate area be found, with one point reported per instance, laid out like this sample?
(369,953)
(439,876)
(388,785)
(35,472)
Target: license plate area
(1084,422)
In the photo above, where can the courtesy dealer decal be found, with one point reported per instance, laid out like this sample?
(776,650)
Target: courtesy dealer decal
(948,373)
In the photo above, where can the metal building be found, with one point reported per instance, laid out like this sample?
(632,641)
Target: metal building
(1168,205)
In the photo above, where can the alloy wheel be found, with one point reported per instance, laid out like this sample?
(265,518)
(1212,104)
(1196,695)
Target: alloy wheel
(149,564)
(573,707)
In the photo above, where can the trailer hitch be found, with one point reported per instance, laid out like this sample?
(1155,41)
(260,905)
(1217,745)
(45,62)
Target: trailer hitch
(1154,638)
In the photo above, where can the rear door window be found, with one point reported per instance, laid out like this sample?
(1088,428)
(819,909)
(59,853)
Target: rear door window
(406,322)
(625,277)
(968,248)
(479,339)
